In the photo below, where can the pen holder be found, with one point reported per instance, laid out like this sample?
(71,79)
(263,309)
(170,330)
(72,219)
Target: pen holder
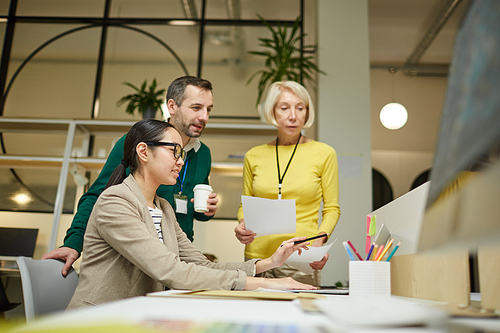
(369,278)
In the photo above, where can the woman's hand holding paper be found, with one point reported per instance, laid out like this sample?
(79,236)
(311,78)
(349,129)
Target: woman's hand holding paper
(319,265)
(282,254)
(244,236)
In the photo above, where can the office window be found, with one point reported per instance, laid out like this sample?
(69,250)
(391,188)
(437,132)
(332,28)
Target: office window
(148,8)
(28,191)
(135,55)
(4,8)
(58,80)
(270,10)
(85,8)
(64,79)
(229,66)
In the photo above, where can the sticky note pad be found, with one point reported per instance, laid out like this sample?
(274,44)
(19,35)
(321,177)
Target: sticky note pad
(373,225)
(368,237)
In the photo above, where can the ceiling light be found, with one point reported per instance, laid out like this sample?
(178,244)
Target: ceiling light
(22,198)
(182,22)
(393,115)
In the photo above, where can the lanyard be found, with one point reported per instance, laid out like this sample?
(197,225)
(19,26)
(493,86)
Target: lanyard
(280,178)
(183,176)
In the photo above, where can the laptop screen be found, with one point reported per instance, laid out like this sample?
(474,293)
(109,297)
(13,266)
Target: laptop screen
(17,242)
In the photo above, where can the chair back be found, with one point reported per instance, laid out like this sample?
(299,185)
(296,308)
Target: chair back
(45,289)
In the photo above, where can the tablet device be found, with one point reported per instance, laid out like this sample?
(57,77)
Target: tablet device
(382,236)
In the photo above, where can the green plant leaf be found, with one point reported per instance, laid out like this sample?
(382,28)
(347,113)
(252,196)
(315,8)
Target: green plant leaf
(144,97)
(283,60)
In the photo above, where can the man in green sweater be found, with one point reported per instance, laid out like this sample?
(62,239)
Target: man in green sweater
(189,101)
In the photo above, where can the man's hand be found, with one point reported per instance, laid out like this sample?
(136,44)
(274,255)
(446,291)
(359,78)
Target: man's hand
(244,236)
(212,204)
(67,254)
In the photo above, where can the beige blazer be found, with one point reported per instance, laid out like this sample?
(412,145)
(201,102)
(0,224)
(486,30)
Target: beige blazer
(123,257)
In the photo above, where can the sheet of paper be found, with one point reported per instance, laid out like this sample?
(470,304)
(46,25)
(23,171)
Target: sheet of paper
(267,294)
(269,217)
(313,254)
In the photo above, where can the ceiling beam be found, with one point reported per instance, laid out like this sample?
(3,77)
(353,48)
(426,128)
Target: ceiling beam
(432,32)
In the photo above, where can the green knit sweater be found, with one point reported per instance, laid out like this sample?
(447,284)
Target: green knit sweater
(198,170)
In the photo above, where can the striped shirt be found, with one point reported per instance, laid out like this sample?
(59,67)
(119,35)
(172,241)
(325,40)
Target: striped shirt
(156,215)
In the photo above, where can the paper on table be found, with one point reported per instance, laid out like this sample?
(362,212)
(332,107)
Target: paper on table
(313,254)
(267,294)
(269,217)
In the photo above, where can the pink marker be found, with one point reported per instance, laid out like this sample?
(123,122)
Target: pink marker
(354,249)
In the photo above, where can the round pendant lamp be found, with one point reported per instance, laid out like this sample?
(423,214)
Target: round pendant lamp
(393,115)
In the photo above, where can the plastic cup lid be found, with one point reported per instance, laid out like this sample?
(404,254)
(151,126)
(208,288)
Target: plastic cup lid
(203,187)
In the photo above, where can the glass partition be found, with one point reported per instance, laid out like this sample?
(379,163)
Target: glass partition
(61,67)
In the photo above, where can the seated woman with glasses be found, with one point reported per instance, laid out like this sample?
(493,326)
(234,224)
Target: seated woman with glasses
(133,244)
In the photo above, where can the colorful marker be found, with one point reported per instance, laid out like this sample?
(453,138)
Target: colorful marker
(392,253)
(380,249)
(385,250)
(354,249)
(348,251)
(370,251)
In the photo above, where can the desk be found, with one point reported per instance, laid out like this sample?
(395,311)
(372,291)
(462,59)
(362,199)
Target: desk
(9,272)
(140,310)
(8,267)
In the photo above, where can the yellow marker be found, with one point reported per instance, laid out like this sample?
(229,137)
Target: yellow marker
(374,256)
(385,250)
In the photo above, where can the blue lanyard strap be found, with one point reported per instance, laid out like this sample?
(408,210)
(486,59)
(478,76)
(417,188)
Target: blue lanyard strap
(183,176)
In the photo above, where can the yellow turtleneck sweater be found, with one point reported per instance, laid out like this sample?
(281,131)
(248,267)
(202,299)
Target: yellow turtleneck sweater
(312,176)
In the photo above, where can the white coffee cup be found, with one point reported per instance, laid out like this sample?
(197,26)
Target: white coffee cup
(201,192)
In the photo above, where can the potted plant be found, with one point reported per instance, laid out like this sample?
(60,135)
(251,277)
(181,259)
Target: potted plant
(285,60)
(147,100)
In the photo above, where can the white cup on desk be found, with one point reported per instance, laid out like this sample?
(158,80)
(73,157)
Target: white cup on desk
(201,193)
(369,278)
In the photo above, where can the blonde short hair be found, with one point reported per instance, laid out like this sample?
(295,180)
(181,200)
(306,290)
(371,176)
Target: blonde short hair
(273,94)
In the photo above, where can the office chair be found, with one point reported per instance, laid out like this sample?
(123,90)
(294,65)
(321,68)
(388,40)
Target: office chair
(45,290)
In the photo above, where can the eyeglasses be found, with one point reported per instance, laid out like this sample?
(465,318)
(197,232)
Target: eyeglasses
(178,151)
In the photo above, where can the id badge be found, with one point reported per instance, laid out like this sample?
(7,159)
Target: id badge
(181,203)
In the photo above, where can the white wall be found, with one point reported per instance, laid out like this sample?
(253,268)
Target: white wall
(217,237)
(401,167)
(344,118)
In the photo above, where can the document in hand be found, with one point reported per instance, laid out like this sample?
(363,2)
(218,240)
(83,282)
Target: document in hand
(302,261)
(269,217)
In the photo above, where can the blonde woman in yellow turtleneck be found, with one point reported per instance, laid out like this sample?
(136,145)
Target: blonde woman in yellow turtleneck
(306,169)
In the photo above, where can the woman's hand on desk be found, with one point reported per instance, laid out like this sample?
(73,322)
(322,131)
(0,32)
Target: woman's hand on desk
(277,284)
(244,236)
(67,254)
